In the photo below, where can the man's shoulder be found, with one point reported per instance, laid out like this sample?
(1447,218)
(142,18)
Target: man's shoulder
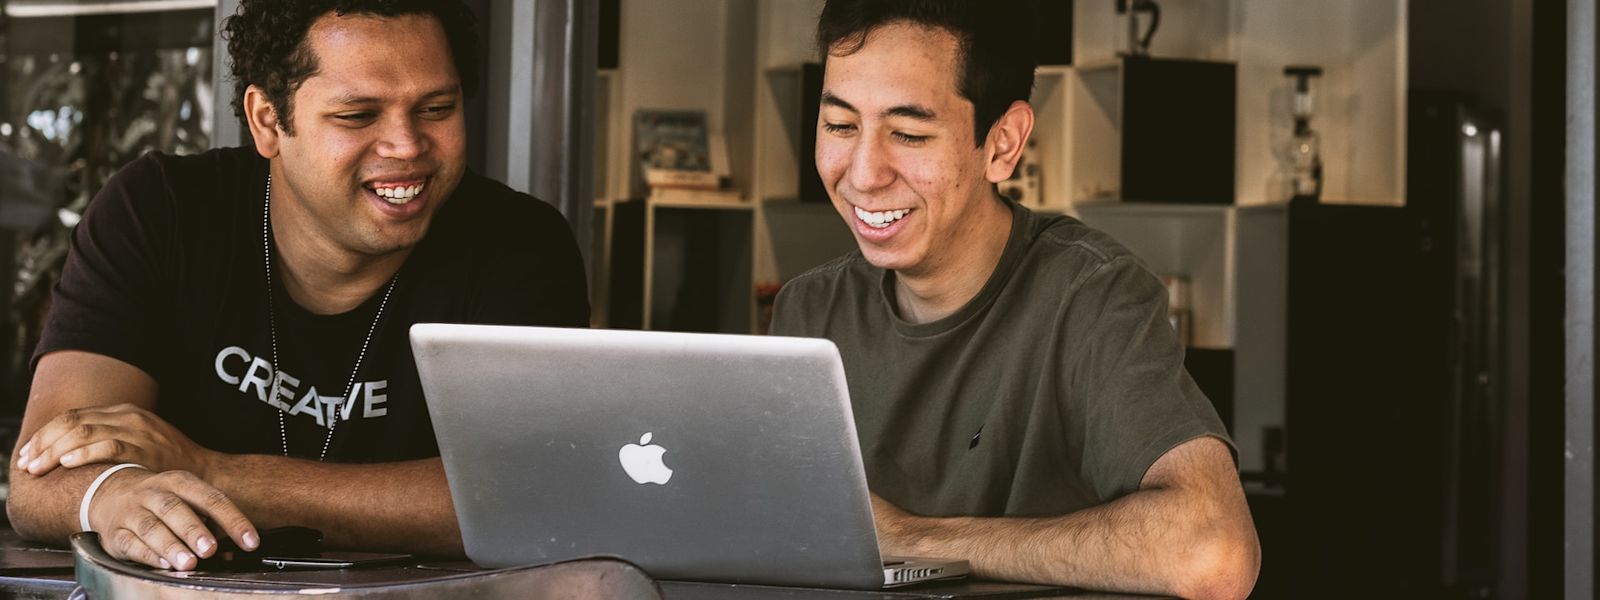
(211,166)
(850,270)
(1069,236)
(1077,249)
(194,185)
(805,301)
(216,166)
(485,204)
(484,218)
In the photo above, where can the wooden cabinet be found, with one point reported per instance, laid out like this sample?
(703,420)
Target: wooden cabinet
(741,61)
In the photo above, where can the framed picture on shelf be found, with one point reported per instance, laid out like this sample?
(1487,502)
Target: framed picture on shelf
(673,148)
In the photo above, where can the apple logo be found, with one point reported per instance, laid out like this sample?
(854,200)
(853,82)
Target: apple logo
(643,463)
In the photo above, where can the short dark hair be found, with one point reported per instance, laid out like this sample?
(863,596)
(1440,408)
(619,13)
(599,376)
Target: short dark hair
(996,38)
(267,43)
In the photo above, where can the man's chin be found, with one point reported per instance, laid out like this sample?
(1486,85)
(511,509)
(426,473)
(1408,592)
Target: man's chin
(386,245)
(885,259)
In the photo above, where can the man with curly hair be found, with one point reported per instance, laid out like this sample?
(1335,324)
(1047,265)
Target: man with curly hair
(229,338)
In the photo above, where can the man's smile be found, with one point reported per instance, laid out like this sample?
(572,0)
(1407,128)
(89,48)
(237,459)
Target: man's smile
(398,192)
(880,219)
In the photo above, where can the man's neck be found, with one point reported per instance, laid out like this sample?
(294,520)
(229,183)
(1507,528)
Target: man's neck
(945,286)
(320,276)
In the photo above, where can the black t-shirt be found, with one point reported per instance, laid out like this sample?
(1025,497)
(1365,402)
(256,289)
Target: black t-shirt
(166,272)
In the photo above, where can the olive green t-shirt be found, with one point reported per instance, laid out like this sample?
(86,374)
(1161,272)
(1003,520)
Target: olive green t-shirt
(1053,390)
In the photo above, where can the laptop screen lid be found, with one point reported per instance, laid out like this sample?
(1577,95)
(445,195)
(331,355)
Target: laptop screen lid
(696,456)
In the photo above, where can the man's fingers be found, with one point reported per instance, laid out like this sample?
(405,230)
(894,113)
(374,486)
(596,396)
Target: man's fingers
(214,504)
(46,435)
(158,511)
(67,424)
(76,437)
(180,519)
(126,545)
(67,432)
(103,451)
(156,534)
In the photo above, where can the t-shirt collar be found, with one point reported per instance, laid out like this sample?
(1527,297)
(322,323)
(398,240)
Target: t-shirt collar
(1022,221)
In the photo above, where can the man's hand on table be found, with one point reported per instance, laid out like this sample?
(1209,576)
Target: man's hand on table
(123,433)
(149,516)
(154,518)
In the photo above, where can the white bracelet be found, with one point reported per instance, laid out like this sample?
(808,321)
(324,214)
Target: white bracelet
(83,507)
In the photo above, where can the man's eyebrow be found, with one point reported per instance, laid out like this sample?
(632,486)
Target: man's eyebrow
(828,99)
(911,111)
(353,98)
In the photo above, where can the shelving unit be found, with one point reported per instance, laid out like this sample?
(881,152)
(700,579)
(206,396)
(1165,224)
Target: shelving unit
(607,155)
(1154,130)
(750,57)
(675,264)
(645,250)
(1235,262)
(751,84)
(1196,241)
(778,133)
(683,265)
(1092,134)
(1361,98)
(1052,110)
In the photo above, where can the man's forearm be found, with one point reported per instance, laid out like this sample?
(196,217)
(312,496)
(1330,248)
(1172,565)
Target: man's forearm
(1150,541)
(402,506)
(45,507)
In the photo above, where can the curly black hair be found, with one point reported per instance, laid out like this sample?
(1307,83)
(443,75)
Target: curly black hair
(266,43)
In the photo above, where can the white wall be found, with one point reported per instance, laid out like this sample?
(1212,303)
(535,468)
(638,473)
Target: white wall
(1189,29)
(1360,44)
(1360,98)
(715,56)
(784,37)
(671,55)
(788,28)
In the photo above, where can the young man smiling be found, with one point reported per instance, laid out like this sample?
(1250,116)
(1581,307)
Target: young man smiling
(229,337)
(1019,393)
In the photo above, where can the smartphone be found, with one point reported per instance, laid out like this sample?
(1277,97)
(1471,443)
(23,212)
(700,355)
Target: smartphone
(335,560)
(279,541)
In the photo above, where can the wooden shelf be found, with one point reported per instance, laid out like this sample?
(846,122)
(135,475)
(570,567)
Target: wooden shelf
(1053,71)
(1098,66)
(1108,207)
(706,205)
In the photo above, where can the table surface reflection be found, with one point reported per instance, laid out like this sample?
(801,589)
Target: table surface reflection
(32,570)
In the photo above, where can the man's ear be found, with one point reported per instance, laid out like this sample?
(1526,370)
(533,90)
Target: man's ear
(1007,138)
(263,121)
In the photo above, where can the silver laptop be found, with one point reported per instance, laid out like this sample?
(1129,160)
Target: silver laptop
(698,457)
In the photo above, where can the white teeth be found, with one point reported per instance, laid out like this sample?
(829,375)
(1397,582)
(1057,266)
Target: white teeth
(398,195)
(880,219)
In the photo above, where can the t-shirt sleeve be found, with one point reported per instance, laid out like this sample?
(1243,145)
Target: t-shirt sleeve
(564,297)
(788,318)
(540,274)
(1128,395)
(109,298)
(807,305)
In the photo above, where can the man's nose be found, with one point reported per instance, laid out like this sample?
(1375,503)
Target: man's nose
(402,139)
(869,168)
